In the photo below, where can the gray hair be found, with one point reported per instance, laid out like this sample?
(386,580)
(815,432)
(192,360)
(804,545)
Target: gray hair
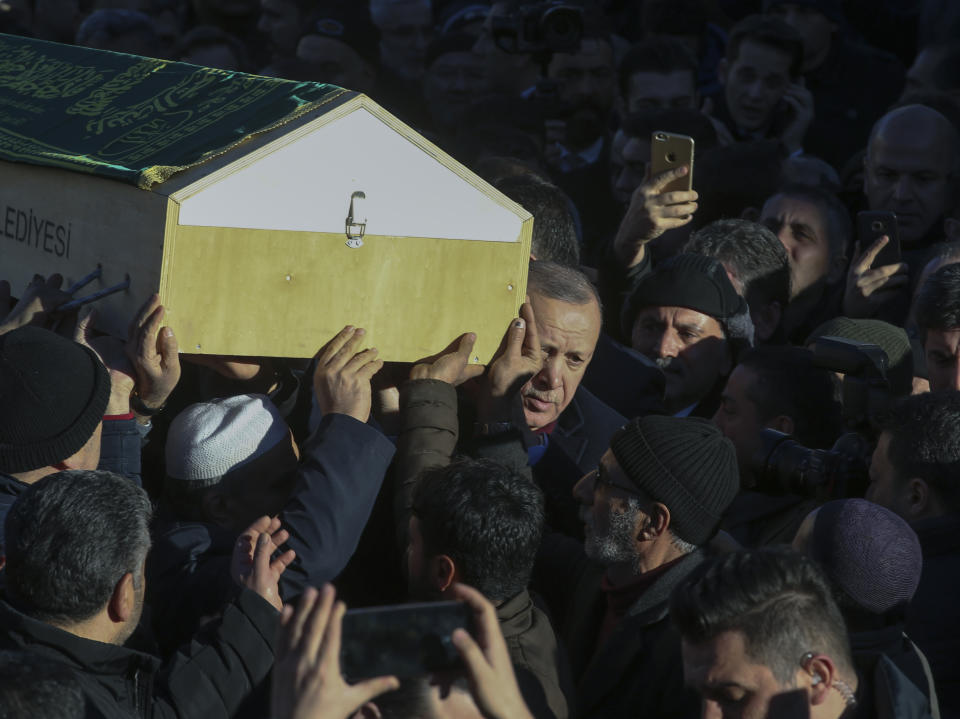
(559,282)
(69,539)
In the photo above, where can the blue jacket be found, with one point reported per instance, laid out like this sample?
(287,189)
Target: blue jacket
(341,469)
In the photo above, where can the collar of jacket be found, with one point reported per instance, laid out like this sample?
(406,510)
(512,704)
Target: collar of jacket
(11,485)
(654,604)
(516,614)
(86,655)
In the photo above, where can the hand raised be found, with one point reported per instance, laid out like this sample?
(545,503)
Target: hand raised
(651,213)
(41,297)
(341,382)
(518,358)
(869,288)
(152,350)
(452,365)
(800,101)
(110,351)
(307,681)
(253,566)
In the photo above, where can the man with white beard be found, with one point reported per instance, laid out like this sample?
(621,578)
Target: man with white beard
(649,509)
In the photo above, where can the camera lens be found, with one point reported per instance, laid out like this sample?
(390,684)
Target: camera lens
(877,226)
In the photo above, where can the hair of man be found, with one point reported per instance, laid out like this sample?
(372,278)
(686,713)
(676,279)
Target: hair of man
(70,538)
(839,225)
(770,31)
(938,301)
(924,442)
(486,518)
(778,600)
(559,282)
(554,229)
(661,55)
(787,382)
(752,253)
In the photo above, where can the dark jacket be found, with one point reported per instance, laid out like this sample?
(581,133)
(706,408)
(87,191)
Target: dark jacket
(428,438)
(884,692)
(207,679)
(340,471)
(534,651)
(895,645)
(851,90)
(755,519)
(638,671)
(575,446)
(933,617)
(624,380)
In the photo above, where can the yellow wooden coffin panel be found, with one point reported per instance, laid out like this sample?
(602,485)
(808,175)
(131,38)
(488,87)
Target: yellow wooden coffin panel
(413,295)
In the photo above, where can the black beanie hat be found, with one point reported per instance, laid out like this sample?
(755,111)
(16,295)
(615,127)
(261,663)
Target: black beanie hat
(53,393)
(686,280)
(684,462)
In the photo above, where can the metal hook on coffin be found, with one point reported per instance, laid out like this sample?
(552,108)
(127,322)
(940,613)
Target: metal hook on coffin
(356,220)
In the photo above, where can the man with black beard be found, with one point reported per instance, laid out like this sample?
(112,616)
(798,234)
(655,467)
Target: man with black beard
(654,501)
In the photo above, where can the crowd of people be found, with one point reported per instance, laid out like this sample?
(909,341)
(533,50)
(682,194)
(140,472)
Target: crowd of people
(713,468)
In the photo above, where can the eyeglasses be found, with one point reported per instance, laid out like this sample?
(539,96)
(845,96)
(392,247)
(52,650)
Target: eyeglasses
(601,477)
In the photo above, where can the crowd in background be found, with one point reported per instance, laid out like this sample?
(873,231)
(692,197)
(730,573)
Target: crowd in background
(711,470)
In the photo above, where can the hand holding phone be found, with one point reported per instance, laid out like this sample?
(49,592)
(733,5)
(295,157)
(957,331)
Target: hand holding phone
(871,227)
(664,201)
(307,681)
(871,284)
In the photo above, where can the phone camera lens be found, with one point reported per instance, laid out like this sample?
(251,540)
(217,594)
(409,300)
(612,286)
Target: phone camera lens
(661,136)
(877,226)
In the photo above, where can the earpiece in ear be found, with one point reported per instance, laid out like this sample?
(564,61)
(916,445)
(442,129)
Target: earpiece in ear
(816,679)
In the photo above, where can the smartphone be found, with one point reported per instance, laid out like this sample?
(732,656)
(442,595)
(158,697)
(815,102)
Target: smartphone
(871,226)
(667,151)
(405,640)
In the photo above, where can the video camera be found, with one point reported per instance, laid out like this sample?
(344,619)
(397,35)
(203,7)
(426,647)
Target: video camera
(547,26)
(784,466)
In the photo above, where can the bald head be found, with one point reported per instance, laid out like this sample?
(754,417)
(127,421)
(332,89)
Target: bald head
(912,157)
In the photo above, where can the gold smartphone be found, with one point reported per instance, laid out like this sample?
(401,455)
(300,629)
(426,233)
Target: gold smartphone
(668,151)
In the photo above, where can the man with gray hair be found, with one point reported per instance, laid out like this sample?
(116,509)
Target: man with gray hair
(570,427)
(687,317)
(757,265)
(76,545)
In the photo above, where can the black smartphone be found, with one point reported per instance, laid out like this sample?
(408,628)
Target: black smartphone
(405,640)
(871,226)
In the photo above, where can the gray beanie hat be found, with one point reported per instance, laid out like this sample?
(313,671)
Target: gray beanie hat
(684,462)
(209,439)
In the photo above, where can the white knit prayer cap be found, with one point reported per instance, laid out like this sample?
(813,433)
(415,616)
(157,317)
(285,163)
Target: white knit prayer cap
(209,439)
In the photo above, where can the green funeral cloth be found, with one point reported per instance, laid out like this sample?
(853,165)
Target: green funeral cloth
(131,118)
